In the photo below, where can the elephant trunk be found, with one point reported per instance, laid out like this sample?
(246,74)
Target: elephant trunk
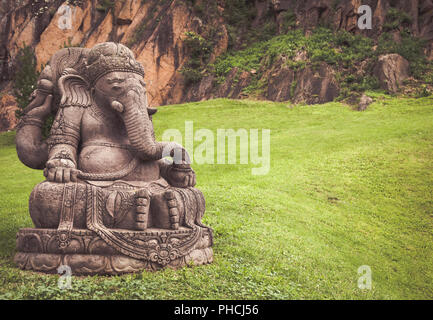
(133,108)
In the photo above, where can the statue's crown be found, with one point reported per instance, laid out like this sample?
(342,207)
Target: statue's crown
(108,57)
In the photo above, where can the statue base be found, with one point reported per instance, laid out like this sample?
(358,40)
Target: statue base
(86,253)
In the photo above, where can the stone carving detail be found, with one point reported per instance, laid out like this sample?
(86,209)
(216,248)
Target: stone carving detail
(38,250)
(110,203)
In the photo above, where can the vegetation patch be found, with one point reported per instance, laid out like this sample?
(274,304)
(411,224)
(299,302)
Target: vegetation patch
(410,48)
(25,82)
(396,19)
(25,77)
(105,5)
(199,50)
(343,50)
(288,19)
(352,56)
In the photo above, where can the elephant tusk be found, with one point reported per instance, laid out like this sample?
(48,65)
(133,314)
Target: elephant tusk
(116,105)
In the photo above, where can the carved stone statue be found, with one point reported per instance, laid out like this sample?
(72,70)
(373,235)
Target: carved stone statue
(111,202)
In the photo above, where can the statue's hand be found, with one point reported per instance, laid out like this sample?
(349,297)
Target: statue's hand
(61,170)
(181,176)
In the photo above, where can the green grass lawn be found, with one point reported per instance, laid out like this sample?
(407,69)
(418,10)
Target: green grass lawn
(345,189)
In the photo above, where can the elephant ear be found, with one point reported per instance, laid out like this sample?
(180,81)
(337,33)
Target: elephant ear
(151,111)
(74,90)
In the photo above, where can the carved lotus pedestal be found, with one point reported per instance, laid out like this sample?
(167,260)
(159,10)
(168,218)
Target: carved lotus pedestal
(94,230)
(88,254)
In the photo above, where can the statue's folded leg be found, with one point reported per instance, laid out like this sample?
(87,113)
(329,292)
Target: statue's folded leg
(64,206)
(176,207)
(50,203)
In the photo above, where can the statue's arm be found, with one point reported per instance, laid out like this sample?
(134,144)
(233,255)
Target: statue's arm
(177,175)
(65,136)
(31,146)
(164,168)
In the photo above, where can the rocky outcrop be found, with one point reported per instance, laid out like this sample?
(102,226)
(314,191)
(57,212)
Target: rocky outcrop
(316,86)
(280,85)
(392,70)
(8,106)
(308,85)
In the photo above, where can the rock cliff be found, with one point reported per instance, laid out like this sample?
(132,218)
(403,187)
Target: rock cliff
(154,30)
(162,35)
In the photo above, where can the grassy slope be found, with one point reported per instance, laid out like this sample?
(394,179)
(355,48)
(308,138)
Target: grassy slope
(345,189)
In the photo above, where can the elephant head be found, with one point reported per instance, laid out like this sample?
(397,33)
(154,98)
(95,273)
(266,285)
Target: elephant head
(107,74)
(114,79)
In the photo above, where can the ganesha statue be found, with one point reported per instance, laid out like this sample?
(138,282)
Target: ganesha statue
(115,200)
